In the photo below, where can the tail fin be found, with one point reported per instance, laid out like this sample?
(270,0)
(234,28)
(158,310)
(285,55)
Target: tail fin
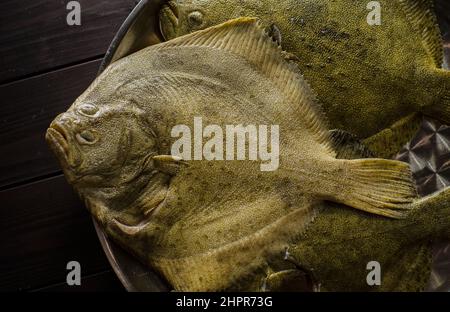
(378,186)
(431,215)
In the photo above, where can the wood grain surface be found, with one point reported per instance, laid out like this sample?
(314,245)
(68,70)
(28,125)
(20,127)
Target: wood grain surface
(44,226)
(24,154)
(45,64)
(35,37)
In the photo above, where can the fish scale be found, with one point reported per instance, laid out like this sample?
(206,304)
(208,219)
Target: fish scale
(368,78)
(148,200)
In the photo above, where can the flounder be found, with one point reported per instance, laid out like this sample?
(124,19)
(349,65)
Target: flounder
(205,224)
(338,247)
(335,252)
(368,77)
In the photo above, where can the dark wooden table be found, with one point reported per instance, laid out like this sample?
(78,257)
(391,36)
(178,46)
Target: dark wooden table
(44,65)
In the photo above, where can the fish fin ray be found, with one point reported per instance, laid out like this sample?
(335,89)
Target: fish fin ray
(246,38)
(379,186)
(215,270)
(423,18)
(169,164)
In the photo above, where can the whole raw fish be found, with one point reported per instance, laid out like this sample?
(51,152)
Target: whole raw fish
(370,75)
(203,224)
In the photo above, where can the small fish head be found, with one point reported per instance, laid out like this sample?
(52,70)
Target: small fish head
(100,145)
(181,17)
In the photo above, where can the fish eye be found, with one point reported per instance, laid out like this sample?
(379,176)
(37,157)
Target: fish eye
(86,137)
(195,19)
(88,110)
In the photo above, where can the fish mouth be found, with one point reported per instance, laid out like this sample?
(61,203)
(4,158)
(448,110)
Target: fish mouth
(169,19)
(58,138)
(173,7)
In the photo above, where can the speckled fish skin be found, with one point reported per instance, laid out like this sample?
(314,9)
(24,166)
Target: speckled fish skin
(204,224)
(402,247)
(367,77)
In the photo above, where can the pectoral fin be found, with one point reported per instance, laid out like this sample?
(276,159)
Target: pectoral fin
(289,281)
(169,164)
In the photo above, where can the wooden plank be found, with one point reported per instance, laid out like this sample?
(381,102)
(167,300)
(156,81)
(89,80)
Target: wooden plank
(43,226)
(104,281)
(28,107)
(35,36)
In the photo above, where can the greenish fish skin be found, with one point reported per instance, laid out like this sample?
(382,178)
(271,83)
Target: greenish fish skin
(333,253)
(204,225)
(402,247)
(367,77)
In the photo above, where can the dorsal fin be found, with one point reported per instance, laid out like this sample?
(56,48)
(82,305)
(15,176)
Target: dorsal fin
(247,38)
(423,18)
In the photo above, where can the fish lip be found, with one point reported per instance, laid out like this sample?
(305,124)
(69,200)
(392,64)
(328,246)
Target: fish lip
(172,15)
(58,141)
(174,8)
(58,127)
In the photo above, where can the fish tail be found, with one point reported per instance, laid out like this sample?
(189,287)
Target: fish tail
(431,216)
(378,186)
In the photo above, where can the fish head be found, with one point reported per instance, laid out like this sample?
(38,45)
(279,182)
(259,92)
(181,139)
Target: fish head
(107,150)
(101,146)
(181,17)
